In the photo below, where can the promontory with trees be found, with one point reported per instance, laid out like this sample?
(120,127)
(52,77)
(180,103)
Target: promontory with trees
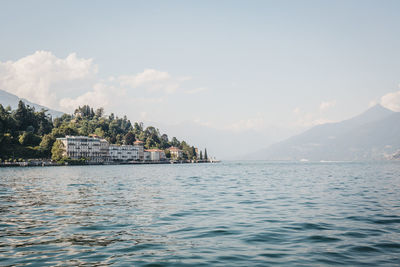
(29,134)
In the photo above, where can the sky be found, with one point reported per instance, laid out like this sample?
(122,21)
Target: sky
(248,72)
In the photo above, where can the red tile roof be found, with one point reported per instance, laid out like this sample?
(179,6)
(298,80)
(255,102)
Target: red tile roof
(154,150)
(174,148)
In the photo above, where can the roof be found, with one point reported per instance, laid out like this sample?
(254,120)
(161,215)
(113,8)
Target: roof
(174,148)
(138,142)
(154,150)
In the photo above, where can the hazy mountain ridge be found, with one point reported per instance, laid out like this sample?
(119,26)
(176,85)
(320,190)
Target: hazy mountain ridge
(8,99)
(370,136)
(220,143)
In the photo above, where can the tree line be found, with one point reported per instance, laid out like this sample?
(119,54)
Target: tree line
(26,133)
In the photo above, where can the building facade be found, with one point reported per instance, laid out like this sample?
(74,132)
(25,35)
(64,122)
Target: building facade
(154,155)
(176,153)
(78,147)
(97,150)
(104,147)
(139,145)
(124,153)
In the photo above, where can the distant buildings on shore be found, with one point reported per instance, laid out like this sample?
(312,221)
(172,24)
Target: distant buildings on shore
(97,150)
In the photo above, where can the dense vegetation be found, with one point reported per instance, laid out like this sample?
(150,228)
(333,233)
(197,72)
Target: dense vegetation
(26,133)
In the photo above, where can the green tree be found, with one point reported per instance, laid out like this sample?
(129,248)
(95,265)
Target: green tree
(29,139)
(129,138)
(142,136)
(30,129)
(150,143)
(201,155)
(194,155)
(99,132)
(138,128)
(164,138)
(205,154)
(175,142)
(46,144)
(43,122)
(99,112)
(57,151)
(167,153)
(20,116)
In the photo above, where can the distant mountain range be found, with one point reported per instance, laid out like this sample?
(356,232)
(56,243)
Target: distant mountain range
(7,99)
(373,135)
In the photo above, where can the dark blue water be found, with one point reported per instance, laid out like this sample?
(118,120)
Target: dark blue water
(227,214)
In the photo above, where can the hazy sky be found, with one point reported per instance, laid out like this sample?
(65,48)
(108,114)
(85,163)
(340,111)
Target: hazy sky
(231,65)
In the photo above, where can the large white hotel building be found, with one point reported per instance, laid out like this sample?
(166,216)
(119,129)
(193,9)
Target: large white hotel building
(76,147)
(98,150)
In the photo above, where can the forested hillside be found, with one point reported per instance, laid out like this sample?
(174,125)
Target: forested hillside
(27,133)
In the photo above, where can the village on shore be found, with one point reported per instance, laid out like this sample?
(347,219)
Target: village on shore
(86,137)
(93,150)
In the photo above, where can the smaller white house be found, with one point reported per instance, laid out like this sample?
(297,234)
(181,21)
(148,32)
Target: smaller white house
(124,153)
(139,145)
(154,155)
(175,152)
(146,155)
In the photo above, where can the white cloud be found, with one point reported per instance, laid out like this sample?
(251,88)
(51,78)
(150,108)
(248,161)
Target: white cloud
(42,77)
(148,76)
(153,80)
(391,101)
(146,100)
(203,123)
(296,110)
(309,120)
(66,83)
(100,96)
(143,115)
(373,103)
(196,90)
(327,105)
(106,95)
(256,123)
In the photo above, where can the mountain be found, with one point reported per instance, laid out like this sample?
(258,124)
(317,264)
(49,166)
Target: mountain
(7,99)
(370,136)
(220,143)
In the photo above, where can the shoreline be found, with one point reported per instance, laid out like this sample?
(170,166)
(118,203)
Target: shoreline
(55,164)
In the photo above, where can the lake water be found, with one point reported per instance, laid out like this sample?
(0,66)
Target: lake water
(226,214)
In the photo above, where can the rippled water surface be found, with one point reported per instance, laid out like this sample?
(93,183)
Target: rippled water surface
(230,214)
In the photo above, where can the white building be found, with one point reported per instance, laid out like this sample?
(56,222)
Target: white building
(90,148)
(139,145)
(104,149)
(124,153)
(146,155)
(176,153)
(154,155)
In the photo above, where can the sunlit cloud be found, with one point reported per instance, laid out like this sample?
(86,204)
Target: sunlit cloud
(256,123)
(66,83)
(391,101)
(327,105)
(296,110)
(317,117)
(153,80)
(43,78)
(196,90)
